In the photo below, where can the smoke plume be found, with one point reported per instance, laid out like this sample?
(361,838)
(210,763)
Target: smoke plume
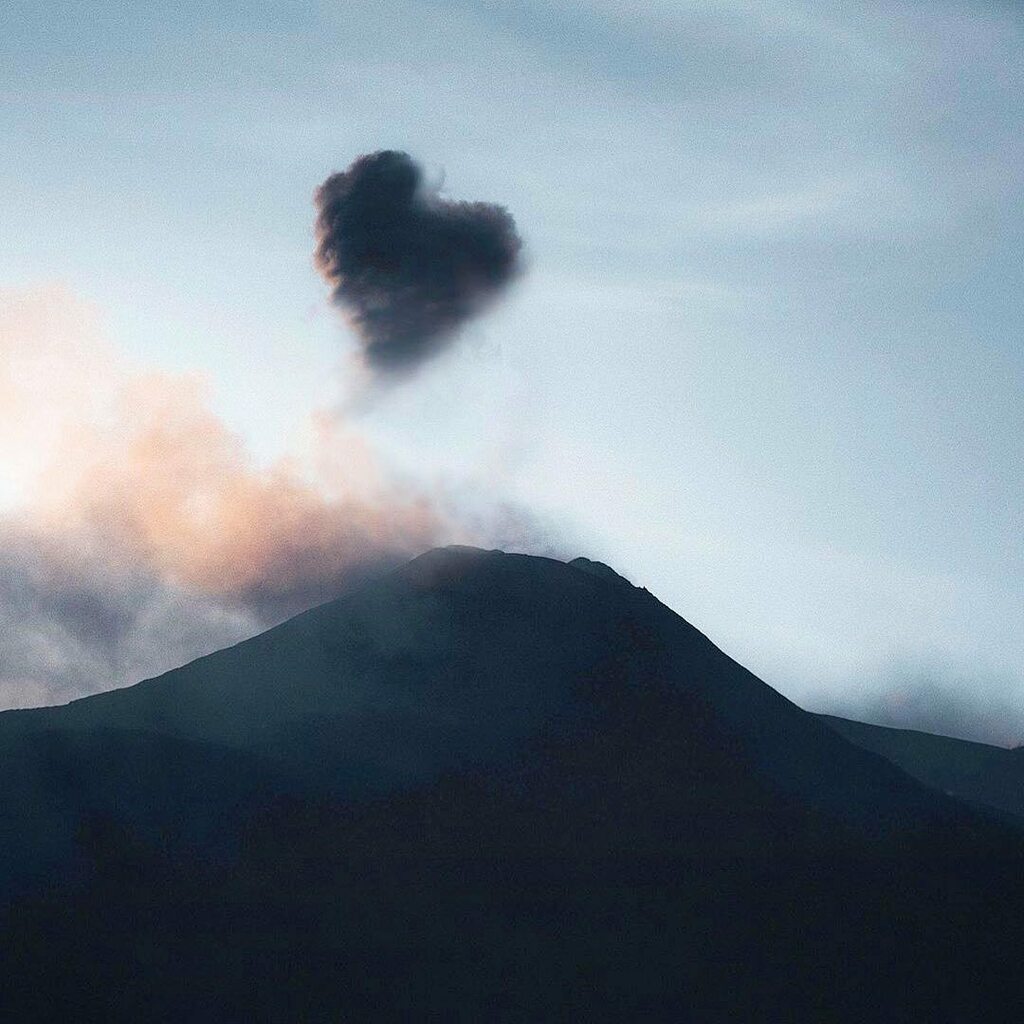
(408,267)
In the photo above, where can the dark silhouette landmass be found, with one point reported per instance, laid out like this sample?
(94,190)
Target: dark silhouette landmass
(488,787)
(981,774)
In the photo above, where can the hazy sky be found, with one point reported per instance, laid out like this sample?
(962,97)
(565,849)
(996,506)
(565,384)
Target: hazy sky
(767,357)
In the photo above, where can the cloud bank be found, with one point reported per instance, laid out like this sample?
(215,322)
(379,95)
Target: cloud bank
(408,267)
(143,533)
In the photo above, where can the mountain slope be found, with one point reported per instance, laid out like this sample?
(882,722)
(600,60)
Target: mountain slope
(461,657)
(977,773)
(487,786)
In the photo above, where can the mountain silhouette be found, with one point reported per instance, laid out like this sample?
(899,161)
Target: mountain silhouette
(980,774)
(488,786)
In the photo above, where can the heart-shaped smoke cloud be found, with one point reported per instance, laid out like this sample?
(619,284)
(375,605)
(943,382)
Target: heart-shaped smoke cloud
(408,267)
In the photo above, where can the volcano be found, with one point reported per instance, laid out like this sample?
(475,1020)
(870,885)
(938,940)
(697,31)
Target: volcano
(488,786)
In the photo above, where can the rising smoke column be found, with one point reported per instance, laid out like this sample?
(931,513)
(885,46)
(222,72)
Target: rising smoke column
(408,267)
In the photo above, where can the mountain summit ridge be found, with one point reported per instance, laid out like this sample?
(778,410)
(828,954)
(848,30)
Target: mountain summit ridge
(461,655)
(475,767)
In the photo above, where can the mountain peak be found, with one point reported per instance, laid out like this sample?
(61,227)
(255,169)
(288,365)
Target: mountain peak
(605,572)
(459,557)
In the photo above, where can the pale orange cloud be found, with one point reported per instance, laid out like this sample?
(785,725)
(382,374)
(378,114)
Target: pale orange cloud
(139,530)
(164,481)
(136,464)
(142,531)
(54,367)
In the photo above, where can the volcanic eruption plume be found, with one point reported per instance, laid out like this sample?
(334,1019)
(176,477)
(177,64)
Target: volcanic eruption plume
(408,267)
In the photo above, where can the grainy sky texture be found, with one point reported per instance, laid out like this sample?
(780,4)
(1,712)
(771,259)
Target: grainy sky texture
(766,359)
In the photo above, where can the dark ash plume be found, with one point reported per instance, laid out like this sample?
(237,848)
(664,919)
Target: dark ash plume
(408,267)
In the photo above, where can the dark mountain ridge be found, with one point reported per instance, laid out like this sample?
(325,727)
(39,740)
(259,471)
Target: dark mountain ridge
(462,655)
(487,786)
(978,774)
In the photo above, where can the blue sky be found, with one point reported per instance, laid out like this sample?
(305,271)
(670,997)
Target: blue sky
(767,358)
